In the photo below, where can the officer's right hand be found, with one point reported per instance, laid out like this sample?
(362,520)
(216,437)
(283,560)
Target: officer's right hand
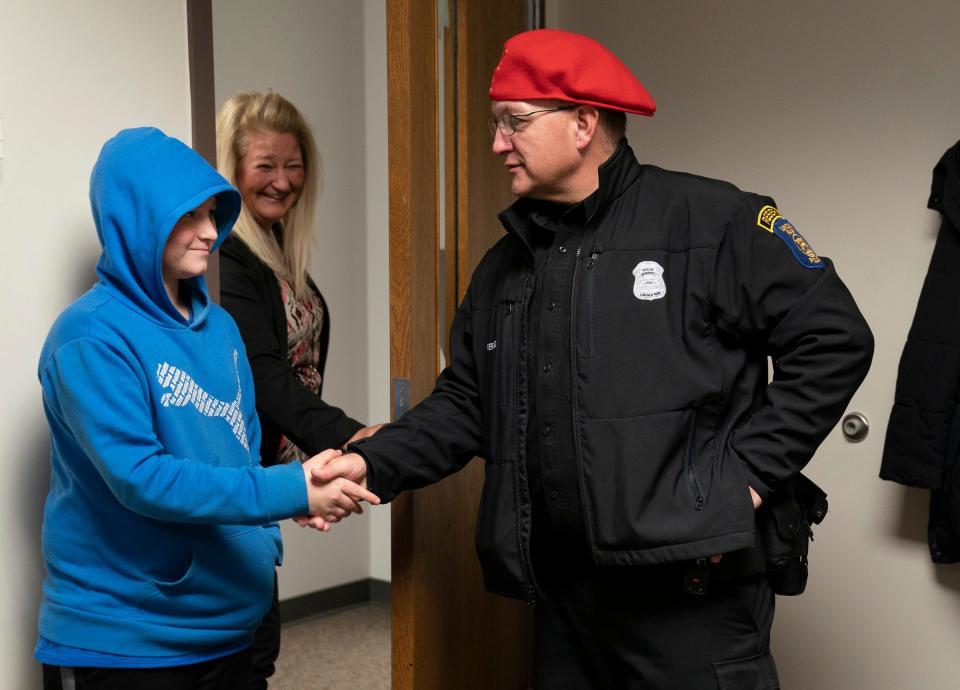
(349,466)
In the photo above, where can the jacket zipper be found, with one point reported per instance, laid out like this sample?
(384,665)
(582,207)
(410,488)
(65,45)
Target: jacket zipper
(692,477)
(503,382)
(594,258)
(588,525)
(525,564)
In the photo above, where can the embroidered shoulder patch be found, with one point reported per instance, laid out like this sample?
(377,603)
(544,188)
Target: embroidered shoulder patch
(772,221)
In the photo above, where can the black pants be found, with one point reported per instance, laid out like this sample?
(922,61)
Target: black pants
(637,628)
(266,643)
(226,673)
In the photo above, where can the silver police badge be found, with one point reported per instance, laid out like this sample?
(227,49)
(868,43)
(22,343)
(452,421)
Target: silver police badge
(648,281)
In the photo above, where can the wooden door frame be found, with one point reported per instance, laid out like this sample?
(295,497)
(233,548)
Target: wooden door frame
(203,109)
(447,630)
(413,159)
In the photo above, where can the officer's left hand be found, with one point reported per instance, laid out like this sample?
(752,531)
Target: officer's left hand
(755,497)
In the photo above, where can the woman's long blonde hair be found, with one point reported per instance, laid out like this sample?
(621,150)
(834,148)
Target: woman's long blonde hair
(252,111)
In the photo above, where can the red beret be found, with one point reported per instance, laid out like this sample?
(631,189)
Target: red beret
(559,65)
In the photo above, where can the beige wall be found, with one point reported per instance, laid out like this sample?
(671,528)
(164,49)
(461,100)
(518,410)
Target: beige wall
(329,59)
(840,111)
(71,75)
(378,260)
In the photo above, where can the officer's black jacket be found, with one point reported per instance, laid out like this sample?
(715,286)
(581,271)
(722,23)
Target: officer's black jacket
(673,415)
(922,445)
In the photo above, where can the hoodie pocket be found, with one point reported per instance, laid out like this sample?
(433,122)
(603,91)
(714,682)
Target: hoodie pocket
(229,580)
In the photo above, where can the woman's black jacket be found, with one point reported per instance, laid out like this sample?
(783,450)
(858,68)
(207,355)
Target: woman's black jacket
(250,292)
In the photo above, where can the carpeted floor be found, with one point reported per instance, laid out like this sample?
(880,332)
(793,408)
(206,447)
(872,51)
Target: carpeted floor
(349,648)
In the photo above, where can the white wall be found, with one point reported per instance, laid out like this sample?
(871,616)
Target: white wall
(71,75)
(329,59)
(840,111)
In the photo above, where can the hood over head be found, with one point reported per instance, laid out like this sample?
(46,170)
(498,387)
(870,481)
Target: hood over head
(141,185)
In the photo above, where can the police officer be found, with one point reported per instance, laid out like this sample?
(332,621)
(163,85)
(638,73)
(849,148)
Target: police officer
(610,363)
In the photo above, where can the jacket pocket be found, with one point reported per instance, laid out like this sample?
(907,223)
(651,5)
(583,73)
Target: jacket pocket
(652,481)
(497,534)
(752,673)
(494,346)
(505,349)
(693,476)
(591,305)
(635,472)
(640,348)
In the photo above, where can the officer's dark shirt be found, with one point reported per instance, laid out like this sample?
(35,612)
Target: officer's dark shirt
(558,539)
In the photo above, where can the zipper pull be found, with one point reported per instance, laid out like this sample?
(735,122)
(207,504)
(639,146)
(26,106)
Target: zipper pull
(593,259)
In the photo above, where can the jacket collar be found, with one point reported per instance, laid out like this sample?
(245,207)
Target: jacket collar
(617,173)
(945,189)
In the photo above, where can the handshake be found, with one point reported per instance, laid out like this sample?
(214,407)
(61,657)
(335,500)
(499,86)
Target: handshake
(336,485)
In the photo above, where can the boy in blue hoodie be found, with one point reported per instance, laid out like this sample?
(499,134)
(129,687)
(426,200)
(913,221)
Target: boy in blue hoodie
(158,532)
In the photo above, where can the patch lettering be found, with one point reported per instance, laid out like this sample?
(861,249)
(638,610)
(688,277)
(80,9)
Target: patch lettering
(648,283)
(771,220)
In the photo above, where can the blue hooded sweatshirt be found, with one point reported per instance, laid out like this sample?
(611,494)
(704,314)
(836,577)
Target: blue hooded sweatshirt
(155,534)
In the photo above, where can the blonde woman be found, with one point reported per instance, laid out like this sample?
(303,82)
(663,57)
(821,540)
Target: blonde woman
(266,149)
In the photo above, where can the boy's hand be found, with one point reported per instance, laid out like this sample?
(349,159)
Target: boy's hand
(332,496)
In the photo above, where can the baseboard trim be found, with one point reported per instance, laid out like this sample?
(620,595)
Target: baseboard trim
(379,591)
(369,590)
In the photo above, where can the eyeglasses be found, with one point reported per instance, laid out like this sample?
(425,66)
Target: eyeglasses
(509,123)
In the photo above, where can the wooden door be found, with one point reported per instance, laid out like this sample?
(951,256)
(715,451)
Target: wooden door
(447,631)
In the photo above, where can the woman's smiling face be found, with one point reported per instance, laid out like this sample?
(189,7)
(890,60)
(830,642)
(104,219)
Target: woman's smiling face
(270,176)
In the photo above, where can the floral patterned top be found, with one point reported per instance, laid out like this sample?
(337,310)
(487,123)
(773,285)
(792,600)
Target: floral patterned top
(304,326)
